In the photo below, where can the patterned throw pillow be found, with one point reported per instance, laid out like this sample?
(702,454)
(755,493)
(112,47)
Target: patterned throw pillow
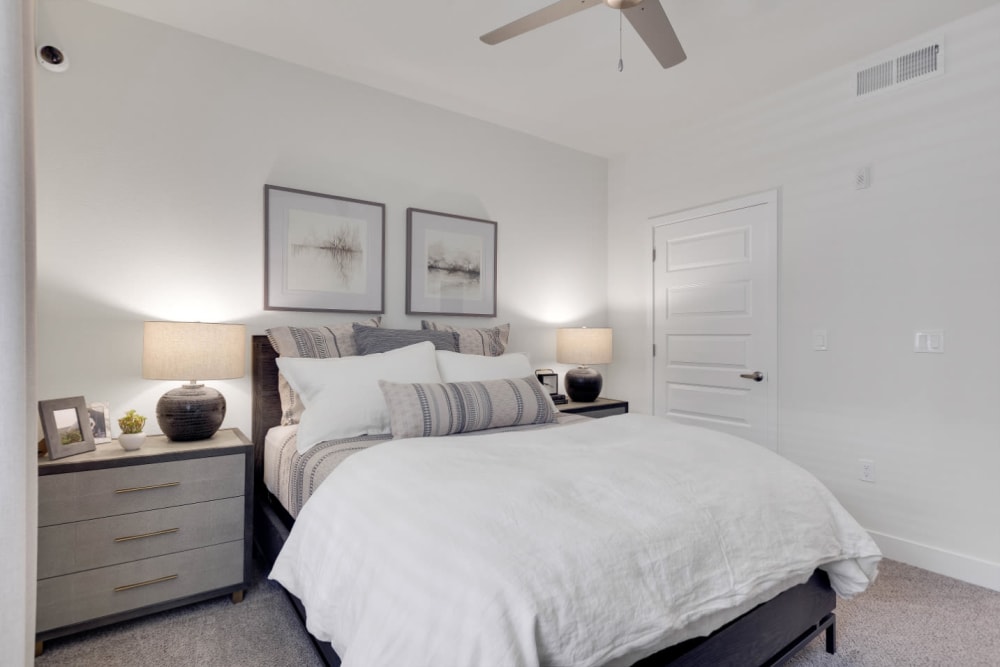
(373,340)
(423,410)
(491,342)
(311,343)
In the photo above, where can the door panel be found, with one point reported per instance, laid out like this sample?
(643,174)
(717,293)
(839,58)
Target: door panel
(715,316)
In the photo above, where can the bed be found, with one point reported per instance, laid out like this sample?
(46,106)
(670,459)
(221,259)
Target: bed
(768,634)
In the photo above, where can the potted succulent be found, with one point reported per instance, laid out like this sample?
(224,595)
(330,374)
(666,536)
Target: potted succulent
(132,436)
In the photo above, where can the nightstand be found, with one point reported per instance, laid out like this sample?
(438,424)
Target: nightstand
(125,534)
(602,407)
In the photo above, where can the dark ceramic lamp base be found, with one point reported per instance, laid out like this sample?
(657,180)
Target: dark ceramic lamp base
(583,384)
(190,412)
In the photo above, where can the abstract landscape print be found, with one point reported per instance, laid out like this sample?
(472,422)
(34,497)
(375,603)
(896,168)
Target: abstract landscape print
(450,264)
(327,253)
(454,264)
(323,252)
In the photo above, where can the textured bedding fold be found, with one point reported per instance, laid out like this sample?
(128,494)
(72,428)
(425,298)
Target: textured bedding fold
(292,477)
(593,544)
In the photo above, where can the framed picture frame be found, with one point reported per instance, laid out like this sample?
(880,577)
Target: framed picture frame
(100,422)
(66,425)
(548,379)
(451,264)
(323,252)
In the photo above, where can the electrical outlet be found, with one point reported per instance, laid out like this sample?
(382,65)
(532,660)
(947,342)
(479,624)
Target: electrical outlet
(867,470)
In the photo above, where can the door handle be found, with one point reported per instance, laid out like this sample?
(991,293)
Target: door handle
(756,376)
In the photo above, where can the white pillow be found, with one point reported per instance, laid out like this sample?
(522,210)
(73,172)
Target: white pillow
(457,367)
(341,395)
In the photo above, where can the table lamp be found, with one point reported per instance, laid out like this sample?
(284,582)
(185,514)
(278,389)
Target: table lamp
(192,351)
(583,346)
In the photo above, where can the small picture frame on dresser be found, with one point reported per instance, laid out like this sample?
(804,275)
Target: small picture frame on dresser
(100,422)
(548,379)
(66,426)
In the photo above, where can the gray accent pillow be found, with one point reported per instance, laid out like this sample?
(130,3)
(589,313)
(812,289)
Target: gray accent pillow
(421,410)
(372,340)
(311,343)
(490,342)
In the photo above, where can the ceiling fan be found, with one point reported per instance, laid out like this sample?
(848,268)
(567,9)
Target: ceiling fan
(646,16)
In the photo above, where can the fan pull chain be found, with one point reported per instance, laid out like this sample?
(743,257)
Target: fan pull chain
(621,63)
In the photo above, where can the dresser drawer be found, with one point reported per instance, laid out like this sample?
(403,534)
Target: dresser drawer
(85,545)
(92,594)
(91,494)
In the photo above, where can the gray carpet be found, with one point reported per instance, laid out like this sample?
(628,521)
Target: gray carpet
(263,630)
(909,617)
(913,617)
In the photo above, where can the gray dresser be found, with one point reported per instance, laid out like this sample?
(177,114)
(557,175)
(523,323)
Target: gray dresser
(124,534)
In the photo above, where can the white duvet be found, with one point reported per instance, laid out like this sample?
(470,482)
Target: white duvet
(591,544)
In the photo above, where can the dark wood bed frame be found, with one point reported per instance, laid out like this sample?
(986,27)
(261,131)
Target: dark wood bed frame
(769,634)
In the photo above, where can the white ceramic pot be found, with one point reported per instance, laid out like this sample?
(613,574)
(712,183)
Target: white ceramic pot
(131,441)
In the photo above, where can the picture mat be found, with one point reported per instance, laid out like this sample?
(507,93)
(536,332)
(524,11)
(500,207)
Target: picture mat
(423,297)
(291,284)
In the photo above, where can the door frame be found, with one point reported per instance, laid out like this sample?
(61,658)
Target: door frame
(763,197)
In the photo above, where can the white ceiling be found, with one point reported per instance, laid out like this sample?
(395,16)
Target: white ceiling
(561,81)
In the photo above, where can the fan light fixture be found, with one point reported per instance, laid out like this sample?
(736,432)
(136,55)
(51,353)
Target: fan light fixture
(646,16)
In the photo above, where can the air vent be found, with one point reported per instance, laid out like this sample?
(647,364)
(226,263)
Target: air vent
(892,70)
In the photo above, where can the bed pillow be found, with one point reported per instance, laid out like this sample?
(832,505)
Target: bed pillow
(423,410)
(312,343)
(457,367)
(372,340)
(342,397)
(490,342)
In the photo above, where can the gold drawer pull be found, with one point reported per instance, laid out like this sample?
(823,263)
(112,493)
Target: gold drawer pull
(119,589)
(153,534)
(147,488)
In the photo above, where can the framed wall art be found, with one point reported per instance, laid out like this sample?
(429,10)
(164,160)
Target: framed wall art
(322,252)
(451,264)
(66,425)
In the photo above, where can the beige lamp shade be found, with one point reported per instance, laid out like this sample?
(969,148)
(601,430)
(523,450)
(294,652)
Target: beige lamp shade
(193,351)
(583,345)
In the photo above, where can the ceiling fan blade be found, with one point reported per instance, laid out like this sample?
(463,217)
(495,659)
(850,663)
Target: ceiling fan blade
(652,24)
(543,16)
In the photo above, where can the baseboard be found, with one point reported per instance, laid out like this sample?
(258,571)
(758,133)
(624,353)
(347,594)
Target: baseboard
(965,568)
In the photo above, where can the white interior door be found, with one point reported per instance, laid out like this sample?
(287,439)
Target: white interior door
(715,324)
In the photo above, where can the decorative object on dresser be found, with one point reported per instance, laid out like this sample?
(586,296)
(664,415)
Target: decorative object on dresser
(66,425)
(192,351)
(132,435)
(323,252)
(602,407)
(584,346)
(550,380)
(451,264)
(100,422)
(125,534)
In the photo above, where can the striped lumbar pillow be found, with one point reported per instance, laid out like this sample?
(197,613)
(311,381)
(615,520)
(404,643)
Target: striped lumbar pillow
(422,410)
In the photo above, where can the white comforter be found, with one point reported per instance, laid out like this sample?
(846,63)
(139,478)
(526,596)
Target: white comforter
(592,544)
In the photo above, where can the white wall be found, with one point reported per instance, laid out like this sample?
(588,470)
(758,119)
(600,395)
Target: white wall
(18,489)
(153,149)
(917,250)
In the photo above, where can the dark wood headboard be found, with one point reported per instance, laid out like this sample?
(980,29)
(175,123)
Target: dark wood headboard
(266,405)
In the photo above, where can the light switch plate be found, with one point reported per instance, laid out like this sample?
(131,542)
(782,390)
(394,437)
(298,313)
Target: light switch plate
(929,341)
(819,340)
